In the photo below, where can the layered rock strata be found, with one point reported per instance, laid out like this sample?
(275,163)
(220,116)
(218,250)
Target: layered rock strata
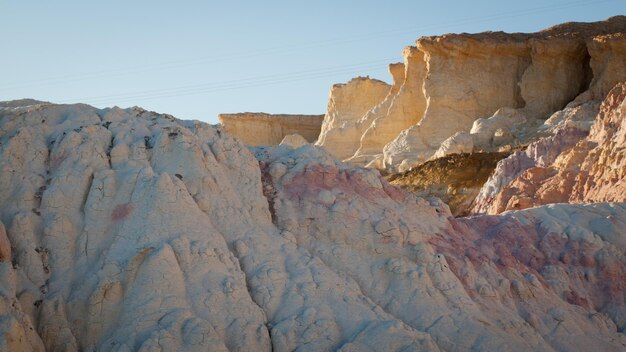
(257,129)
(402,108)
(494,87)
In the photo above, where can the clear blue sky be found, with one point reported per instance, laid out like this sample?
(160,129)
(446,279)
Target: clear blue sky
(195,59)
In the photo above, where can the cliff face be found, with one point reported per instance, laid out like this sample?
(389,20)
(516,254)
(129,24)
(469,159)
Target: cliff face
(402,108)
(256,129)
(457,93)
(346,106)
(131,230)
(510,82)
(576,165)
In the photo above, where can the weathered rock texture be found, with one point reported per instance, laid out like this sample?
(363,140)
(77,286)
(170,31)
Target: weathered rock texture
(512,282)
(496,87)
(575,165)
(131,230)
(257,129)
(402,108)
(347,103)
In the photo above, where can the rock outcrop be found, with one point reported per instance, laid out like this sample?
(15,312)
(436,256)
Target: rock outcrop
(494,88)
(577,165)
(258,129)
(347,103)
(402,108)
(509,282)
(132,230)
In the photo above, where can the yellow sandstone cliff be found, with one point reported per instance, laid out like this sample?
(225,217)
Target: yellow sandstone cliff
(258,129)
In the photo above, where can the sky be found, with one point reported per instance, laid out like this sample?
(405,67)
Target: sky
(196,59)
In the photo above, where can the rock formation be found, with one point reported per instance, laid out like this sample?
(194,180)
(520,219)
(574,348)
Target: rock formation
(457,93)
(476,284)
(494,88)
(132,230)
(257,129)
(294,141)
(346,105)
(401,109)
(578,164)
(125,229)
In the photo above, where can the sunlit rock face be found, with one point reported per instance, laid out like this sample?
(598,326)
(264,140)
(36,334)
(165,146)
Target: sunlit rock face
(257,129)
(124,229)
(496,87)
(131,230)
(402,108)
(347,103)
(456,93)
(583,162)
(473,76)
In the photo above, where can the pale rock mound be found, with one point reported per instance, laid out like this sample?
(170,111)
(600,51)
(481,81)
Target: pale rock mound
(257,129)
(486,283)
(131,230)
(347,104)
(459,143)
(294,141)
(569,167)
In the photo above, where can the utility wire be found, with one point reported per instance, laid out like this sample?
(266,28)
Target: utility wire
(295,47)
(252,80)
(227,86)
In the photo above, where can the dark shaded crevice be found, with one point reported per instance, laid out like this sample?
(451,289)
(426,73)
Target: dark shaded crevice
(587,72)
(523,64)
(269,191)
(86,194)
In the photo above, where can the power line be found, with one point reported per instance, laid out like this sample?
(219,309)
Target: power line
(362,65)
(294,47)
(182,91)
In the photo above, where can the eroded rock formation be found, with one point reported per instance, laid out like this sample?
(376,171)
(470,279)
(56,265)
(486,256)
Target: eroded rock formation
(347,103)
(402,108)
(475,284)
(132,230)
(578,164)
(256,128)
(496,88)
